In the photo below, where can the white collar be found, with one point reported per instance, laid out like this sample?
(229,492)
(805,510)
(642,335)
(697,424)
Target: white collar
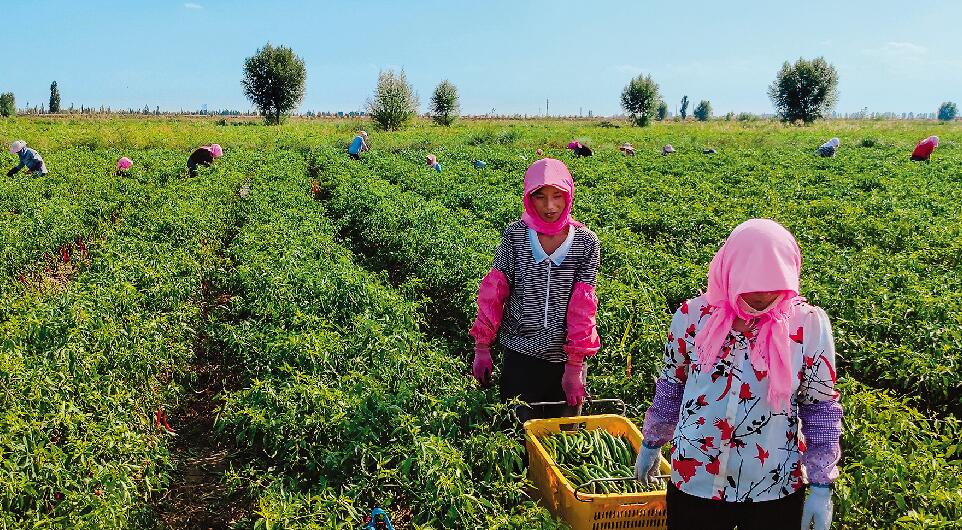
(558,255)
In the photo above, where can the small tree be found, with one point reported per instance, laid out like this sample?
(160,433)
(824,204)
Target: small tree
(8,105)
(703,110)
(274,81)
(444,103)
(948,111)
(640,99)
(394,103)
(806,90)
(662,110)
(684,107)
(54,98)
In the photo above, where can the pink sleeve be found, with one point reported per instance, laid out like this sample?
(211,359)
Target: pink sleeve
(492,294)
(583,338)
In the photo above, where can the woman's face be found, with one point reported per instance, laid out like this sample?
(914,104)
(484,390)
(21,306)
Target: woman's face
(760,299)
(549,202)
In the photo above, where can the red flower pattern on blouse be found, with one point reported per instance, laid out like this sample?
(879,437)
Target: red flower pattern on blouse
(685,467)
(711,453)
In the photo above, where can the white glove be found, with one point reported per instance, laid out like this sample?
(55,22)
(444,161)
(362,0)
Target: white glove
(647,464)
(818,508)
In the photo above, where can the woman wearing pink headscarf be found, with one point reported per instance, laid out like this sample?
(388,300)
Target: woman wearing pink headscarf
(203,156)
(579,149)
(925,148)
(747,396)
(123,166)
(538,301)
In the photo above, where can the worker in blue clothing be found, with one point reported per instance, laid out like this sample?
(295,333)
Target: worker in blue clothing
(358,144)
(378,520)
(29,158)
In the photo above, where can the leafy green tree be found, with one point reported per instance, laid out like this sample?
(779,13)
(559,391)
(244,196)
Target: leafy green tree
(948,111)
(394,103)
(805,90)
(703,110)
(444,103)
(640,99)
(274,81)
(684,107)
(8,105)
(54,98)
(662,111)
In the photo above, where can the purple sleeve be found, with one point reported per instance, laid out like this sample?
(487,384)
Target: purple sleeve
(662,415)
(822,427)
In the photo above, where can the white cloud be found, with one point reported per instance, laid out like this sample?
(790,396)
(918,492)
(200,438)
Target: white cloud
(898,53)
(904,47)
(191,5)
(628,69)
(903,59)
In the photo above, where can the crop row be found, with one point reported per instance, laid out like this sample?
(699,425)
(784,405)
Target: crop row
(343,403)
(85,367)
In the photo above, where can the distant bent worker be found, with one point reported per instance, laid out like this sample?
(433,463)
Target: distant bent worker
(358,145)
(709,151)
(479,164)
(627,149)
(432,162)
(203,156)
(828,149)
(123,166)
(667,150)
(579,149)
(29,158)
(924,148)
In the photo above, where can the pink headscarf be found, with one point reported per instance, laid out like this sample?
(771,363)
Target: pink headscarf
(124,163)
(216,150)
(759,255)
(548,172)
(574,144)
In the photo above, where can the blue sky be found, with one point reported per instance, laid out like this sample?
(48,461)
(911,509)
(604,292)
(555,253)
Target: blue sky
(504,55)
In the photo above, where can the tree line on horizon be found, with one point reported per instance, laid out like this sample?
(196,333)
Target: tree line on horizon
(274,81)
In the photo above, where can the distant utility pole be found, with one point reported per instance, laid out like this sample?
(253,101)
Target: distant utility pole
(546,111)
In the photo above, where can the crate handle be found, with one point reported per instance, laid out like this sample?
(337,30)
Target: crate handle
(590,402)
(612,479)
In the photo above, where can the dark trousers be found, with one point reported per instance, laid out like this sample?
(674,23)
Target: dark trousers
(686,512)
(355,156)
(532,380)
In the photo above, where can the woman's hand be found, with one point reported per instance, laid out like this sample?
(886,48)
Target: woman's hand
(573,383)
(818,508)
(483,365)
(647,464)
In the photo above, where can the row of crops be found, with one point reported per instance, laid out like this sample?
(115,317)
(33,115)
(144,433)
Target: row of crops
(344,311)
(88,357)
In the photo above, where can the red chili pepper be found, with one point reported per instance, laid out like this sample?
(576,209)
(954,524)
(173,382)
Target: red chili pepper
(162,420)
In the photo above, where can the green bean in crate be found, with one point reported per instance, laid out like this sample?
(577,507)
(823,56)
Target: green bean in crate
(586,455)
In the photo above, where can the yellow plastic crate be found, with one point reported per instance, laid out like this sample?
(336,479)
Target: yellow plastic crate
(594,511)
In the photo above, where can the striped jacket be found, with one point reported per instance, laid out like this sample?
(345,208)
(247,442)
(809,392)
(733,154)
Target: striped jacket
(540,305)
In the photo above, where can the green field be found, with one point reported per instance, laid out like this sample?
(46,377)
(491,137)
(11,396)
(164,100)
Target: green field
(312,345)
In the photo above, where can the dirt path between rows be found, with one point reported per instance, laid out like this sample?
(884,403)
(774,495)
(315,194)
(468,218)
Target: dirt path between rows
(199,497)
